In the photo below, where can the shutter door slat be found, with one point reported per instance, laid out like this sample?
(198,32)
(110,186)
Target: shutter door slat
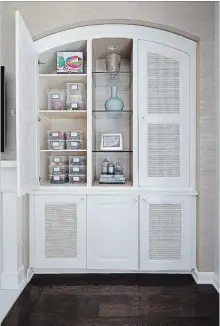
(60,231)
(165,231)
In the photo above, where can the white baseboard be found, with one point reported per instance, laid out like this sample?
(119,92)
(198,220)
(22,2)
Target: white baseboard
(206,278)
(216,282)
(15,281)
(202,277)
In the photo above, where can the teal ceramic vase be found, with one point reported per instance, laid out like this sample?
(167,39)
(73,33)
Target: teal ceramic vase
(114,103)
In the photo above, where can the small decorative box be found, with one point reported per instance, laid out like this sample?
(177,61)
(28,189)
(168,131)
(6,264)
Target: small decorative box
(69,62)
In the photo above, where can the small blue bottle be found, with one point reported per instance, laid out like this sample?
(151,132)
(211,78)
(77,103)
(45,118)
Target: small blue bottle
(114,103)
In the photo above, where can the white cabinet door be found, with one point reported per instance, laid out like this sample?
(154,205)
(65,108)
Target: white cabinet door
(60,231)
(112,232)
(26,109)
(166,233)
(165,100)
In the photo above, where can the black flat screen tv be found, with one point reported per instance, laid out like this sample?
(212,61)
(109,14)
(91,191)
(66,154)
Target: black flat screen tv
(2,109)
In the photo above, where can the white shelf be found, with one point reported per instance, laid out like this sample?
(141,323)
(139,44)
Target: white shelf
(63,150)
(63,185)
(65,78)
(128,183)
(53,114)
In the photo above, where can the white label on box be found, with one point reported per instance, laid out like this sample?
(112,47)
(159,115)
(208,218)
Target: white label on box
(56,177)
(75,169)
(56,160)
(73,134)
(56,96)
(55,143)
(55,134)
(75,178)
(76,159)
(74,143)
(74,86)
(56,169)
(74,105)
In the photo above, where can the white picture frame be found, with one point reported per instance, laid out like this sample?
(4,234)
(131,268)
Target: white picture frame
(111,142)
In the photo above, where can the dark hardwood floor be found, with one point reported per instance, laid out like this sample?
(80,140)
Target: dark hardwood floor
(126,299)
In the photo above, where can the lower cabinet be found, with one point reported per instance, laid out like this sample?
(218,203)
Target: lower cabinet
(166,229)
(112,232)
(60,231)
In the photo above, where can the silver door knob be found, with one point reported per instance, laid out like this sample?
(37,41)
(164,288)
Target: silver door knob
(143,200)
(134,200)
(82,200)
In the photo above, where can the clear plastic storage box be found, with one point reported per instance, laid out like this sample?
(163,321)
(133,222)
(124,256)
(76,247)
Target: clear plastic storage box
(74,135)
(76,96)
(75,106)
(79,178)
(58,179)
(74,144)
(77,169)
(58,170)
(77,160)
(56,135)
(56,144)
(58,160)
(57,100)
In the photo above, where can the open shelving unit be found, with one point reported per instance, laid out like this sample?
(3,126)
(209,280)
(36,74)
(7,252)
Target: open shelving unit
(100,120)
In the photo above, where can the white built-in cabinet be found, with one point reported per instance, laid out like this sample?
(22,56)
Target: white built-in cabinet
(148,224)
(112,232)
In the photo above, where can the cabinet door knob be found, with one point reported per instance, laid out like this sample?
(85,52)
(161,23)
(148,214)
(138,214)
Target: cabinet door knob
(142,117)
(143,200)
(134,200)
(82,200)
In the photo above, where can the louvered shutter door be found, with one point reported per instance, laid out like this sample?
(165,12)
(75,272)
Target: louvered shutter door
(165,233)
(164,115)
(60,223)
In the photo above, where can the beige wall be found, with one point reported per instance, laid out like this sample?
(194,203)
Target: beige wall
(194,18)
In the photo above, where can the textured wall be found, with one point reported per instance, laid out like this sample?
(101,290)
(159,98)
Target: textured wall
(217,87)
(194,18)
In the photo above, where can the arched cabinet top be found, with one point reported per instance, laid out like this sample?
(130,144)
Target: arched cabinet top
(88,33)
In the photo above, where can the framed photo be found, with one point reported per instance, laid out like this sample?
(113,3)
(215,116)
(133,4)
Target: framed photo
(111,142)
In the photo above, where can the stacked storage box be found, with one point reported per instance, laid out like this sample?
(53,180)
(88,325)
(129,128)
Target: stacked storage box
(58,169)
(77,169)
(76,96)
(61,168)
(73,98)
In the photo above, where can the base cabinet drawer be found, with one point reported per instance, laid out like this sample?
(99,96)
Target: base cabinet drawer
(60,231)
(112,232)
(166,228)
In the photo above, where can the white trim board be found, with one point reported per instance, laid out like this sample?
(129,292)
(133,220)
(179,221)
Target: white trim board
(216,282)
(9,297)
(206,278)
